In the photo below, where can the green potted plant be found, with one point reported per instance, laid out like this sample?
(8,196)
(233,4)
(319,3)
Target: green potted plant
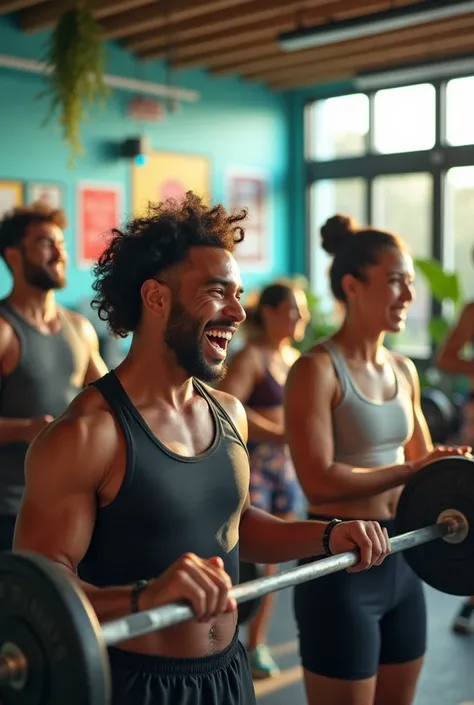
(446,289)
(75,58)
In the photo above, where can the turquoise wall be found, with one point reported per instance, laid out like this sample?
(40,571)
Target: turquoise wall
(234,124)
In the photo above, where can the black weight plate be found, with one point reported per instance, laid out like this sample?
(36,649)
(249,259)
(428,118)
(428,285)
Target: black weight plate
(53,624)
(247,610)
(35,688)
(447,483)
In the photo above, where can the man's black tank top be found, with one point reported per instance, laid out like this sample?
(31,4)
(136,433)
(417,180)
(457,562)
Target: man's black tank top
(49,374)
(168,504)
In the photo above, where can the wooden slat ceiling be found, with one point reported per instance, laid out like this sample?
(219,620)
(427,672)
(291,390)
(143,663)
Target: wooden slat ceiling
(239,37)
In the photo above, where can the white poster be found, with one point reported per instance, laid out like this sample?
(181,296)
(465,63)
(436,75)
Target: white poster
(250,189)
(49,194)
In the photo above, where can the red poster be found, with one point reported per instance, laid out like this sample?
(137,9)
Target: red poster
(99,210)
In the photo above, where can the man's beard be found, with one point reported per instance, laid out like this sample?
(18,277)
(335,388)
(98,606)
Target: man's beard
(182,337)
(40,278)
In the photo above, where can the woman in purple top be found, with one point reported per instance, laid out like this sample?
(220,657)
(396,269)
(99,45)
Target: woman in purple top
(257,376)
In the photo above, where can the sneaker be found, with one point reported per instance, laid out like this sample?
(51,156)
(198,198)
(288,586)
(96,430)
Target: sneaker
(262,663)
(464,622)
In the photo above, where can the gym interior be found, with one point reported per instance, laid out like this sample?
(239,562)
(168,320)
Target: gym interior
(296,110)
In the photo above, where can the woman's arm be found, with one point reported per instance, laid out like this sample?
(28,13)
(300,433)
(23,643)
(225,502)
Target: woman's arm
(450,357)
(243,373)
(420,443)
(310,391)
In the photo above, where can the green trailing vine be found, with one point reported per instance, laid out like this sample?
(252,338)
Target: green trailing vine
(76,57)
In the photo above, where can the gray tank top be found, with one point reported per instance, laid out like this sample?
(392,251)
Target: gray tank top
(50,373)
(367,433)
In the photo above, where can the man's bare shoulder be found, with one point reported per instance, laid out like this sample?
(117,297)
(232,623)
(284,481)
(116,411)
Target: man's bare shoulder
(86,434)
(82,324)
(6,335)
(230,403)
(233,407)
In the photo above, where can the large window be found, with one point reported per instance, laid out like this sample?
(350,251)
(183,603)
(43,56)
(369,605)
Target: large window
(401,159)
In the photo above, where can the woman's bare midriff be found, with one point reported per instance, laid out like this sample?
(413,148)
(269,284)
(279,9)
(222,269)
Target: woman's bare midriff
(381,507)
(187,640)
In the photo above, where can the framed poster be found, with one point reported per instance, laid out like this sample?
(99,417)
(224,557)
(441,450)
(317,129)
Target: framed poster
(250,189)
(99,209)
(48,193)
(11,196)
(167,175)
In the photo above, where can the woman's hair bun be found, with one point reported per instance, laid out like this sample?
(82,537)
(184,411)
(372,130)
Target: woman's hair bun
(335,231)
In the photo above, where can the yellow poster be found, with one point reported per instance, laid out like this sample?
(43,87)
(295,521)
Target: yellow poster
(11,196)
(166,175)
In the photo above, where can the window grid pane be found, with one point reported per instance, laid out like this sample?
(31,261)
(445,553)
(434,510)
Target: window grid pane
(329,197)
(405,119)
(339,127)
(459,108)
(459,240)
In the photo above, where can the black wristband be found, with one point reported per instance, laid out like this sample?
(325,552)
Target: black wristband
(136,590)
(327,535)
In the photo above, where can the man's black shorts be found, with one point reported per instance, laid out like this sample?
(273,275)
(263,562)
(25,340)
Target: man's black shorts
(220,679)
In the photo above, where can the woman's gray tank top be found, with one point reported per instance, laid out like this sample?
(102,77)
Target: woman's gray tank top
(368,433)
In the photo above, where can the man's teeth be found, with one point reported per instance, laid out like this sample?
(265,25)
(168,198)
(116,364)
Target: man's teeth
(220,334)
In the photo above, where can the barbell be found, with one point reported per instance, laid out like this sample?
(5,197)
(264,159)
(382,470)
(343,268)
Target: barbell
(54,651)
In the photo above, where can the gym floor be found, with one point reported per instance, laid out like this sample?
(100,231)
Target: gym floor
(447,677)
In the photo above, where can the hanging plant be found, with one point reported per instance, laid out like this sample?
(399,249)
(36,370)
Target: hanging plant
(76,59)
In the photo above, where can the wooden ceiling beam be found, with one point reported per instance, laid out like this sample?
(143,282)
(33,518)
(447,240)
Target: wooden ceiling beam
(45,15)
(7,6)
(284,22)
(207,44)
(443,28)
(352,65)
(251,49)
(318,79)
(189,16)
(236,18)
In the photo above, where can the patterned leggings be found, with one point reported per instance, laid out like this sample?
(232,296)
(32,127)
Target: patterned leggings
(274,486)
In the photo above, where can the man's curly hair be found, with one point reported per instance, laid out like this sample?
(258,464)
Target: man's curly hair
(152,244)
(14,225)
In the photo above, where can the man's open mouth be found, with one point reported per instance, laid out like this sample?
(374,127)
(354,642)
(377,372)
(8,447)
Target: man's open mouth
(219,338)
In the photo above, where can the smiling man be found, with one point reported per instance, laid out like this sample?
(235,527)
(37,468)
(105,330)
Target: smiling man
(47,353)
(140,489)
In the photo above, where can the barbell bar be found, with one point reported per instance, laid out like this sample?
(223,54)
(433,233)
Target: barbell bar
(453,526)
(53,649)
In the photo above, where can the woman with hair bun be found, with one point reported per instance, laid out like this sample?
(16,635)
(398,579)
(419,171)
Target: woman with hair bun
(257,376)
(356,433)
